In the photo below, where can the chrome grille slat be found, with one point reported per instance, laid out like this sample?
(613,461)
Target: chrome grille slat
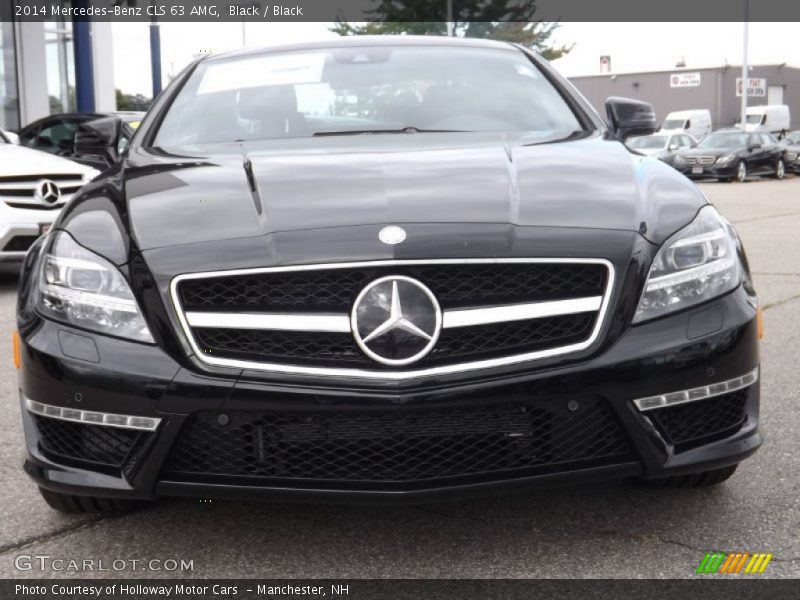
(577,319)
(700,160)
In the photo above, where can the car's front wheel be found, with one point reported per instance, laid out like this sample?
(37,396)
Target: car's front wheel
(780,169)
(67,503)
(741,171)
(693,480)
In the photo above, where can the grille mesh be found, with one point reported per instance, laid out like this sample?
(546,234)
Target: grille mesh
(336,289)
(94,444)
(323,348)
(695,423)
(402,445)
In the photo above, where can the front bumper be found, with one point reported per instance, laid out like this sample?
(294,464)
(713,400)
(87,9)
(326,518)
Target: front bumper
(19,228)
(698,347)
(726,171)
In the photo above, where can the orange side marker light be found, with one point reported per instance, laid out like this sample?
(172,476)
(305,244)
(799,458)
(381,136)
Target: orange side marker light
(760,321)
(15,344)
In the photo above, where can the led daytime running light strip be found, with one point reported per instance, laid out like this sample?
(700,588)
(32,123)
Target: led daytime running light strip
(698,393)
(91,417)
(679,277)
(90,298)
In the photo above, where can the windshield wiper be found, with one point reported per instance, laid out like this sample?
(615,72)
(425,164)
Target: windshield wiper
(403,130)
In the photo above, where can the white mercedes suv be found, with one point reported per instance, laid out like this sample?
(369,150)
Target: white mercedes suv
(34,186)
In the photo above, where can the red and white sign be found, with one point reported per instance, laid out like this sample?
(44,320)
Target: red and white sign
(756,88)
(684,80)
(605,64)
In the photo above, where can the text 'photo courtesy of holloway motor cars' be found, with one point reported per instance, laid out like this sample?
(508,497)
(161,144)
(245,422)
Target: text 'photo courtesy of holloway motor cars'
(382,269)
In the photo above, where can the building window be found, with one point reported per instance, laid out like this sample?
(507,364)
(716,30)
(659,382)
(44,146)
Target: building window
(60,60)
(9,98)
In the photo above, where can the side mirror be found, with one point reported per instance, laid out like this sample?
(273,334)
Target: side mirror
(754,147)
(630,117)
(99,138)
(672,147)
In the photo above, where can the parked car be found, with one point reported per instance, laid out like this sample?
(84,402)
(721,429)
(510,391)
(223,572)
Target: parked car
(469,286)
(791,151)
(772,118)
(55,134)
(664,146)
(733,155)
(34,186)
(696,123)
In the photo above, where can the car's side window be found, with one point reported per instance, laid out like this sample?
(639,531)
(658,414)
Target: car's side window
(59,136)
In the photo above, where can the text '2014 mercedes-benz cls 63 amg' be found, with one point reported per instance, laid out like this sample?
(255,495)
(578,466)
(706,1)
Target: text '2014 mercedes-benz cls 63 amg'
(382,269)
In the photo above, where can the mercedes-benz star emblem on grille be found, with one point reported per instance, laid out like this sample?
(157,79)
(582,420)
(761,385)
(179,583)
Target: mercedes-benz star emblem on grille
(48,192)
(392,235)
(396,320)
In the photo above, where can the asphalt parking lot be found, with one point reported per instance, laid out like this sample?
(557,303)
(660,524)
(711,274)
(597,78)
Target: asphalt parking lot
(609,530)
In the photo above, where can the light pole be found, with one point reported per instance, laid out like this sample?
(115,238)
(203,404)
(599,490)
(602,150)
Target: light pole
(450,24)
(743,116)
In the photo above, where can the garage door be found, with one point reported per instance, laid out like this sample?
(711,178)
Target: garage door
(775,94)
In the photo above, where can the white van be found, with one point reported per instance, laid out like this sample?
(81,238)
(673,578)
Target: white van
(773,118)
(696,123)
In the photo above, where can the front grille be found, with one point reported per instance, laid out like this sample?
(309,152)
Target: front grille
(90,445)
(340,349)
(19,191)
(400,445)
(695,423)
(791,156)
(700,160)
(456,285)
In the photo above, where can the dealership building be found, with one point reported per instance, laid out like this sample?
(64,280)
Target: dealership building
(54,66)
(713,88)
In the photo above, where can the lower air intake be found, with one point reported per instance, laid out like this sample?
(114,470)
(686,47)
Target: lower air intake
(400,445)
(695,423)
(90,445)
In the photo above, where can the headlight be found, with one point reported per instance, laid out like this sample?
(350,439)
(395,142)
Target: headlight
(679,160)
(696,264)
(81,288)
(724,160)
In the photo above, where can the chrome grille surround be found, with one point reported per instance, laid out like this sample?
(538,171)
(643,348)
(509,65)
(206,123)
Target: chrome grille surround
(457,318)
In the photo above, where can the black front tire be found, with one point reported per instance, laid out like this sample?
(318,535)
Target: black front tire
(74,505)
(693,480)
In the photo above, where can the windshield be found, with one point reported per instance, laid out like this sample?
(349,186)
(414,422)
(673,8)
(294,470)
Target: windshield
(650,142)
(673,124)
(793,138)
(724,140)
(363,89)
(754,119)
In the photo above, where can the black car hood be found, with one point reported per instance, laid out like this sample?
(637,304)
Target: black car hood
(374,180)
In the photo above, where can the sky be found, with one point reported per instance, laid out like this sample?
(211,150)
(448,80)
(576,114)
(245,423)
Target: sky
(631,46)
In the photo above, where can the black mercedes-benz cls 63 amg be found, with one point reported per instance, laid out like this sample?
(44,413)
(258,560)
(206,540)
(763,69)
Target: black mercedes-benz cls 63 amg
(382,269)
